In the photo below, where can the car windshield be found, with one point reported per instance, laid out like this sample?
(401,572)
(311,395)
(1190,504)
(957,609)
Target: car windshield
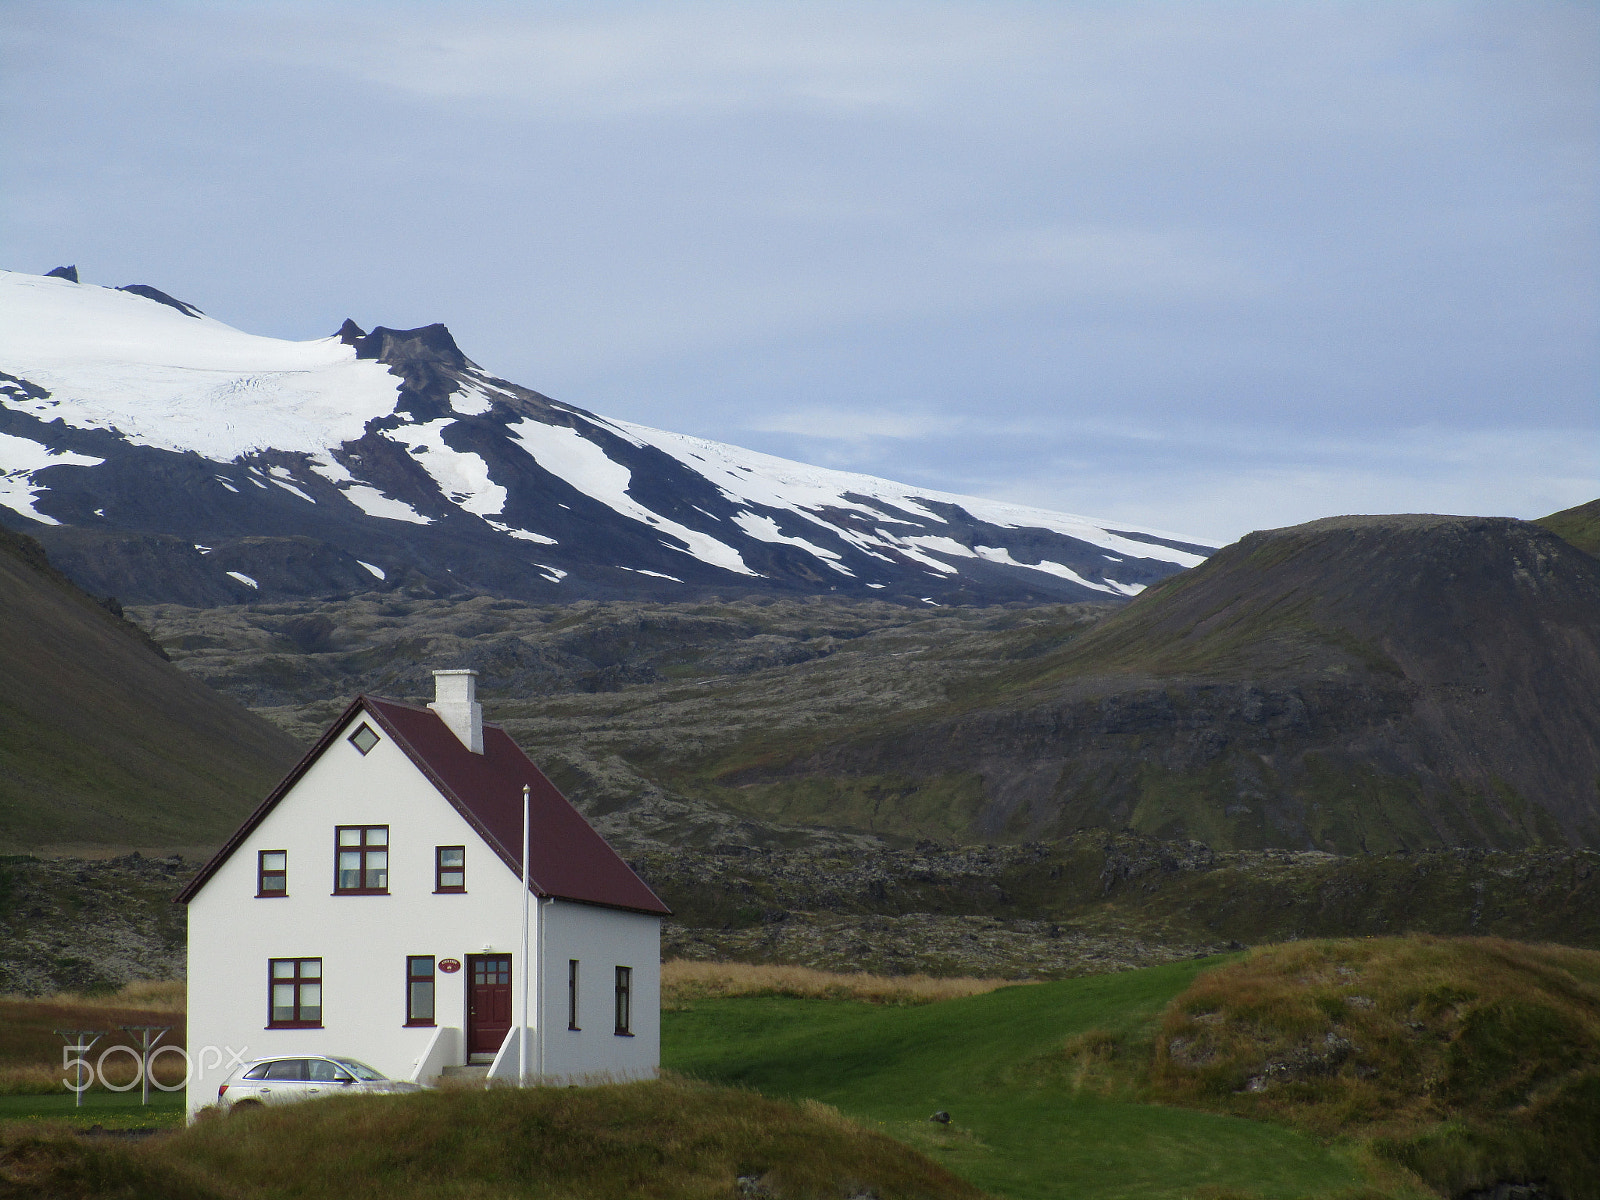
(359,1069)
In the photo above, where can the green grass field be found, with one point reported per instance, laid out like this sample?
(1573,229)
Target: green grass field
(113,1110)
(994,1062)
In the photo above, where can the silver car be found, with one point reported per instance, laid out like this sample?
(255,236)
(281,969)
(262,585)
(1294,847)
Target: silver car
(305,1077)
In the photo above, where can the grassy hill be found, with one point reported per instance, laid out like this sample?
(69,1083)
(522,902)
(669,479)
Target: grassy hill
(102,742)
(1579,525)
(1469,1062)
(1400,1067)
(645,1141)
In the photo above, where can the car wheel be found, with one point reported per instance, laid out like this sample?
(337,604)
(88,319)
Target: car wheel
(243,1104)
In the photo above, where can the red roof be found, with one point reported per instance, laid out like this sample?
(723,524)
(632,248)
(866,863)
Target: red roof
(568,859)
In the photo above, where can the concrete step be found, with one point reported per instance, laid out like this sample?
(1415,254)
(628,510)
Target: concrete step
(475,1071)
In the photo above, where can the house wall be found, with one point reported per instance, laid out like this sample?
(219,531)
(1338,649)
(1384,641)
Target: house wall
(363,941)
(601,939)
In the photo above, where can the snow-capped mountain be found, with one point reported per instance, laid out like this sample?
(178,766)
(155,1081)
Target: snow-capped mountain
(162,455)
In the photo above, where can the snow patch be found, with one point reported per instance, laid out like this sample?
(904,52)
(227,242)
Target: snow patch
(364,496)
(463,477)
(243,578)
(282,477)
(377,571)
(765,529)
(375,504)
(566,453)
(19,458)
(470,400)
(525,535)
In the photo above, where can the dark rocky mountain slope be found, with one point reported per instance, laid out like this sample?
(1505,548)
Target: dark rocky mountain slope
(1354,684)
(102,741)
(1358,684)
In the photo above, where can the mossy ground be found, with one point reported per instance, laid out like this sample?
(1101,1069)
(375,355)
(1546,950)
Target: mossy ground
(1474,1061)
(642,1141)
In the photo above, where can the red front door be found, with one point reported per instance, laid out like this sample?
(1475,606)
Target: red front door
(488,1002)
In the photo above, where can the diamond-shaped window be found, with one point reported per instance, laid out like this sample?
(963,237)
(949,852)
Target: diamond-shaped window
(364,739)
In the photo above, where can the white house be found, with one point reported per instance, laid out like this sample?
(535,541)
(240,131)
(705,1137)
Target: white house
(372,907)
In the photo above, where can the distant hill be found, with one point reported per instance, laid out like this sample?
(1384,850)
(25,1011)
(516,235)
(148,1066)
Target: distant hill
(1357,684)
(1353,684)
(1579,525)
(104,743)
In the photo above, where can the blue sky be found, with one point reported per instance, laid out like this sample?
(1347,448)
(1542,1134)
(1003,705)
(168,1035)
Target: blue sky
(1203,266)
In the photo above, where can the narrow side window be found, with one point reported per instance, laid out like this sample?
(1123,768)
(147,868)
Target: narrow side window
(572,993)
(294,993)
(419,989)
(272,873)
(363,739)
(624,1002)
(449,868)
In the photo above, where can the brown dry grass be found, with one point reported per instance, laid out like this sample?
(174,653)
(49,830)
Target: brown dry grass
(683,981)
(146,995)
(30,1051)
(663,1140)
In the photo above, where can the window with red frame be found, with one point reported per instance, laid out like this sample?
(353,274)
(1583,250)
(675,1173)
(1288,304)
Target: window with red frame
(624,1002)
(272,873)
(363,860)
(419,989)
(294,993)
(449,868)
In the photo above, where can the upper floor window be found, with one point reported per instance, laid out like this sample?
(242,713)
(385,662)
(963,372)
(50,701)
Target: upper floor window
(294,998)
(449,868)
(572,993)
(625,1001)
(363,739)
(272,873)
(363,859)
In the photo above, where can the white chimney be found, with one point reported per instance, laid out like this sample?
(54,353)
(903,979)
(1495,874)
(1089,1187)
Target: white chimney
(455,700)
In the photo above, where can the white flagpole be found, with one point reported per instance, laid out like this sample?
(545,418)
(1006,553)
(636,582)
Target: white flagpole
(522,1031)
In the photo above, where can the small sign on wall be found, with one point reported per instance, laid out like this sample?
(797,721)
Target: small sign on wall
(449,965)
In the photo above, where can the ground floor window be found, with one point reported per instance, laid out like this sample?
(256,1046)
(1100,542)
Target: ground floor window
(294,993)
(572,993)
(419,989)
(625,1001)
